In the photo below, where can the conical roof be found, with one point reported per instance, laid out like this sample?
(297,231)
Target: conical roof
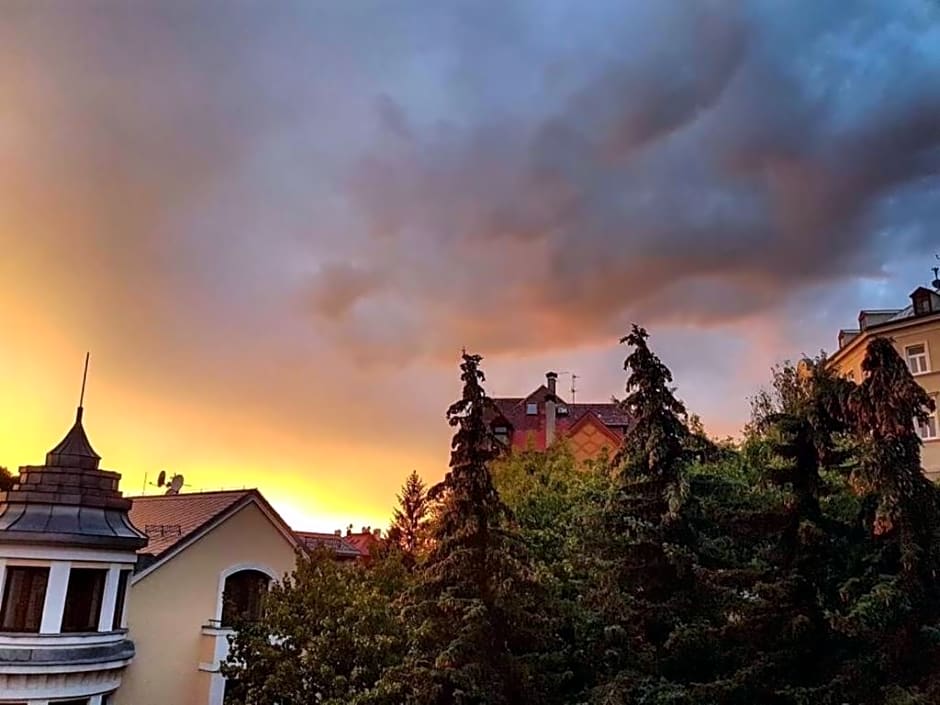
(69,500)
(74,451)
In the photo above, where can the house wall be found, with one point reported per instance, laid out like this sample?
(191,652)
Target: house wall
(169,608)
(589,440)
(928,333)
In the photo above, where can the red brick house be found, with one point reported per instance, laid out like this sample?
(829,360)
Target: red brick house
(538,419)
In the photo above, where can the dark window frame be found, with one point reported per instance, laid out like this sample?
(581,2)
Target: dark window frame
(27,615)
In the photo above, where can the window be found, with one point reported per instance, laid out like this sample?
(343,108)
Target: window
(83,600)
(922,304)
(927,430)
(531,409)
(243,596)
(23,599)
(119,600)
(501,433)
(562,410)
(917,358)
(79,701)
(850,376)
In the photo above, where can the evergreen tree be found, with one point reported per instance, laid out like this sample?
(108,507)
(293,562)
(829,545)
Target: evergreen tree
(893,605)
(408,532)
(475,620)
(647,571)
(7,479)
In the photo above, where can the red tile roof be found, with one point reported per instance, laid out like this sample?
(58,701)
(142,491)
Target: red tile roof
(363,542)
(513,409)
(170,519)
(342,547)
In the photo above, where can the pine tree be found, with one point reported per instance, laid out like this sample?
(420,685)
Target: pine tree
(409,525)
(476,623)
(893,605)
(647,573)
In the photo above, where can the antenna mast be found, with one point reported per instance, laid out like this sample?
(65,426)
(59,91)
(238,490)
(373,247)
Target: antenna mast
(81,396)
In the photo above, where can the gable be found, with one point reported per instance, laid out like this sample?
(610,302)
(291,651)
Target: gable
(589,437)
(222,524)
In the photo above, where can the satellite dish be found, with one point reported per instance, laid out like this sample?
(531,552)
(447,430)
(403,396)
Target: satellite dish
(936,276)
(175,485)
(161,478)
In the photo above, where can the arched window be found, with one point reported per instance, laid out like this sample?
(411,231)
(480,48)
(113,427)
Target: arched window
(243,596)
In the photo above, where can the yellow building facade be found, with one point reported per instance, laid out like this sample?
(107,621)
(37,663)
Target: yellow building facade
(204,547)
(915,332)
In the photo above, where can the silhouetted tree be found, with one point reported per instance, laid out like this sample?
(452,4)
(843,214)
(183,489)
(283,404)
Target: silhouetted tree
(7,479)
(476,624)
(409,524)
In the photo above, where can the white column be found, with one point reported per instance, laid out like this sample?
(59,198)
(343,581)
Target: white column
(3,577)
(108,601)
(96,699)
(216,689)
(55,597)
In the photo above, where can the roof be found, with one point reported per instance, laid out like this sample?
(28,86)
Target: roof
(170,519)
(363,542)
(75,449)
(174,522)
(343,548)
(901,319)
(69,500)
(513,410)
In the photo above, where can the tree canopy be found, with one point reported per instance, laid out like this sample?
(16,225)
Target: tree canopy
(798,566)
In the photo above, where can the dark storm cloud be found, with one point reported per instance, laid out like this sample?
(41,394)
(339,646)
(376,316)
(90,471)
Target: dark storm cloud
(718,159)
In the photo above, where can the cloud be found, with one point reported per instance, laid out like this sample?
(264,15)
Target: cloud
(701,179)
(284,217)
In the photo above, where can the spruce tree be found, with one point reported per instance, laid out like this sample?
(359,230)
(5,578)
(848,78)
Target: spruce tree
(647,570)
(408,532)
(893,605)
(476,627)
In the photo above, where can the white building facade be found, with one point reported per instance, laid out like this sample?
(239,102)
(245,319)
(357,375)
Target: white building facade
(67,552)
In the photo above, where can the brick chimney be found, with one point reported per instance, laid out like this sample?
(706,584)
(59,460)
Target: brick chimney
(551,379)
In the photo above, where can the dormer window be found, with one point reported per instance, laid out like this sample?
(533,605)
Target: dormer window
(923,302)
(502,434)
(531,409)
(562,410)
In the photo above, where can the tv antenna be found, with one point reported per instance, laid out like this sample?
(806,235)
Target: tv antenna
(936,275)
(574,379)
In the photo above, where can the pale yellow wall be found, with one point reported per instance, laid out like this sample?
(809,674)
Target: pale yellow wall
(589,440)
(167,609)
(928,333)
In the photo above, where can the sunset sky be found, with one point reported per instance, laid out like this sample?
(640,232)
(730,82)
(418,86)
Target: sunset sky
(275,224)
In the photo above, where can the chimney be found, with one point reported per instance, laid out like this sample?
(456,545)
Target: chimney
(377,533)
(338,532)
(551,379)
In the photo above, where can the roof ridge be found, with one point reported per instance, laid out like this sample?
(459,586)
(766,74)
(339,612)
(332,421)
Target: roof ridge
(191,494)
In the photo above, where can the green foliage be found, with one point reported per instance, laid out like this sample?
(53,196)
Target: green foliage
(409,530)
(799,568)
(477,626)
(328,633)
(7,480)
